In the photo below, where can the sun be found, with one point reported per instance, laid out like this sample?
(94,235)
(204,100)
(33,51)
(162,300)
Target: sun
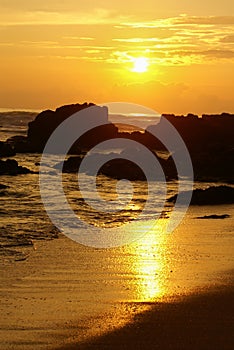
(140,64)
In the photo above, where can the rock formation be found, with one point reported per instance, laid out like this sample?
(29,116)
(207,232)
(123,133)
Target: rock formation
(11,167)
(6,150)
(209,140)
(40,129)
(213,195)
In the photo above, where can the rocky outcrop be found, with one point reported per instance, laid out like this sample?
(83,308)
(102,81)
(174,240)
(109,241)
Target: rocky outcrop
(119,167)
(214,166)
(208,133)
(6,150)
(122,168)
(40,129)
(21,144)
(214,195)
(209,140)
(11,167)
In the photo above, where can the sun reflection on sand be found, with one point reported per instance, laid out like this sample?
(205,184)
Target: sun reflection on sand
(149,265)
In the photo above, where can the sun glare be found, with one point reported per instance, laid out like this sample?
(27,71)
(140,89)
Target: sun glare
(140,65)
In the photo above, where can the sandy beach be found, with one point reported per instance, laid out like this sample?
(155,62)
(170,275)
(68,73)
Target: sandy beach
(165,292)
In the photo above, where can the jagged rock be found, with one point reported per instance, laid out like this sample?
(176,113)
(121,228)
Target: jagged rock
(11,167)
(211,196)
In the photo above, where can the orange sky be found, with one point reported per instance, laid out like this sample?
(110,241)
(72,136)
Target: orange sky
(57,52)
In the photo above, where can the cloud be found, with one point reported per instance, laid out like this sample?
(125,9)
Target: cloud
(227,39)
(182,20)
(56,45)
(219,53)
(53,17)
(79,38)
(137,40)
(6,44)
(189,39)
(209,53)
(180,41)
(205,20)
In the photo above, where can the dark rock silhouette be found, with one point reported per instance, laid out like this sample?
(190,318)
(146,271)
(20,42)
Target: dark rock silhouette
(71,165)
(119,167)
(213,195)
(6,150)
(40,129)
(21,144)
(3,187)
(11,167)
(214,216)
(122,168)
(209,140)
(208,133)
(214,165)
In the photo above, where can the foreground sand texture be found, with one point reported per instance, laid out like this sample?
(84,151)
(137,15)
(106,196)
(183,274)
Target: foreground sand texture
(165,292)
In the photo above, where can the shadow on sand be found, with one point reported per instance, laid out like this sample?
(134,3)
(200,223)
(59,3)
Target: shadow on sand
(204,321)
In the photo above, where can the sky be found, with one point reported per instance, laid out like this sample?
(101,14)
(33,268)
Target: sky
(55,52)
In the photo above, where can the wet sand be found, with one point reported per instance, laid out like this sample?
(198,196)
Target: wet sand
(166,292)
